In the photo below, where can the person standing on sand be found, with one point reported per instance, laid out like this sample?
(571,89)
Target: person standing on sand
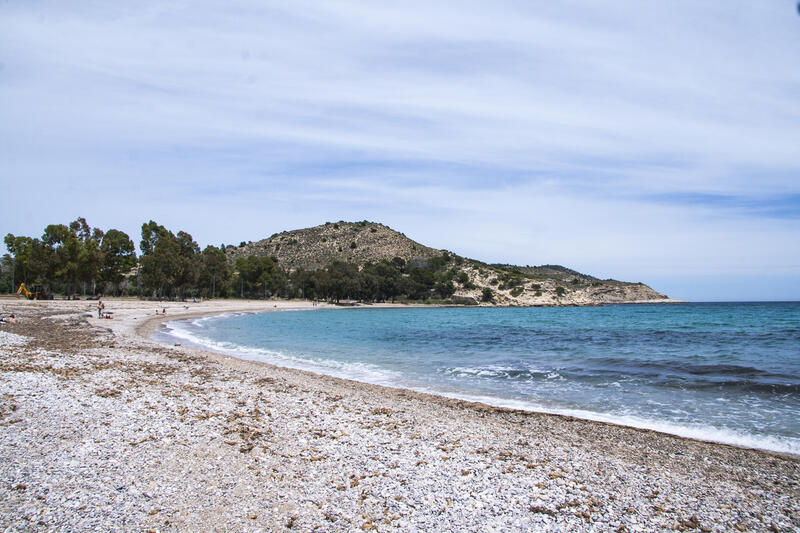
(100,307)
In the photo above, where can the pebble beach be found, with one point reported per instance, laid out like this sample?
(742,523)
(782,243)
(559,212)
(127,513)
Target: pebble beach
(103,428)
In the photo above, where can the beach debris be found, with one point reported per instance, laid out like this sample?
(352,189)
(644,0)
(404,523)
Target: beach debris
(541,509)
(690,523)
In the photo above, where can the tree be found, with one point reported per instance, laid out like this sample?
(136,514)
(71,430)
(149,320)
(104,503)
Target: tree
(344,280)
(7,273)
(29,259)
(72,254)
(160,259)
(259,276)
(444,288)
(214,270)
(89,256)
(170,263)
(118,257)
(64,250)
(188,264)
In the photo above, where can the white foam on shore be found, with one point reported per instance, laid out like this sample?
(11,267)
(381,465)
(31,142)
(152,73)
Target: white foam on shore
(698,432)
(357,371)
(375,375)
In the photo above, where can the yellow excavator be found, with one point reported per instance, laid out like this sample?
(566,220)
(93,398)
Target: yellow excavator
(37,292)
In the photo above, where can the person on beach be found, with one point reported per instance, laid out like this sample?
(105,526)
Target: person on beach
(164,311)
(100,307)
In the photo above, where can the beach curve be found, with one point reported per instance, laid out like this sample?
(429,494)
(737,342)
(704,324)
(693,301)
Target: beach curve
(339,454)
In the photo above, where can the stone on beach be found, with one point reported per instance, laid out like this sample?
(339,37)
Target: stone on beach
(102,428)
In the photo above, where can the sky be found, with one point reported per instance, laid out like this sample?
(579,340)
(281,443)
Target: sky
(643,141)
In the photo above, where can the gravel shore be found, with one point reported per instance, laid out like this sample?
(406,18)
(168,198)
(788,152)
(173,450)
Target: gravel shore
(102,428)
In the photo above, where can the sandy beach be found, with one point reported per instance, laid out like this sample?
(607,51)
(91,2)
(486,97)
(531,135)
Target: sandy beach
(102,428)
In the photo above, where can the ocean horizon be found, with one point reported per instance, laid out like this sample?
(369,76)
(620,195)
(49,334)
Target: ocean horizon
(720,371)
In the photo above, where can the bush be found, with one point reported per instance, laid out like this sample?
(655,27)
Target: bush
(353,245)
(516,292)
(560,291)
(487,295)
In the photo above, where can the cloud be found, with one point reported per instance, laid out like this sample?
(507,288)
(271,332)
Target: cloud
(530,132)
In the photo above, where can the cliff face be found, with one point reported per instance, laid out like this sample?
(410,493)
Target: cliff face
(477,283)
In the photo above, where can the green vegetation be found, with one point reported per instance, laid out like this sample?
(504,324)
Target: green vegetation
(71,259)
(394,280)
(75,259)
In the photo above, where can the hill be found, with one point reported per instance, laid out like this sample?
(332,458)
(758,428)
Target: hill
(351,242)
(472,282)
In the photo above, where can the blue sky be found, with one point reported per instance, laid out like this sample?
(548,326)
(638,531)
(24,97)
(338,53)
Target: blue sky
(655,142)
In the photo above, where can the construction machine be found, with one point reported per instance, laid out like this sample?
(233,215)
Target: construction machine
(37,292)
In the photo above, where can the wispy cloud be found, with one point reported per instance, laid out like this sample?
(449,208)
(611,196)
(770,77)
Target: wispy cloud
(530,132)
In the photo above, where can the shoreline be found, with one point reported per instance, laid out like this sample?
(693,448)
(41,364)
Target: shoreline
(149,328)
(101,428)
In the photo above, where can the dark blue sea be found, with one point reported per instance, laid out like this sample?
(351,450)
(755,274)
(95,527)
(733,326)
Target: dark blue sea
(727,372)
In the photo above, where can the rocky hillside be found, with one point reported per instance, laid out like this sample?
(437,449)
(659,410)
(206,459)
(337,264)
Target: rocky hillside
(475,283)
(513,286)
(351,242)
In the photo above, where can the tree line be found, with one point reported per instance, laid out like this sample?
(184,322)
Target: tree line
(77,260)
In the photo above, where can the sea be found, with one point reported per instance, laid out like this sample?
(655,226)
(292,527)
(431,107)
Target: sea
(724,372)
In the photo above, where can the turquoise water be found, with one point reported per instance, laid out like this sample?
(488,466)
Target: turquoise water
(728,372)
